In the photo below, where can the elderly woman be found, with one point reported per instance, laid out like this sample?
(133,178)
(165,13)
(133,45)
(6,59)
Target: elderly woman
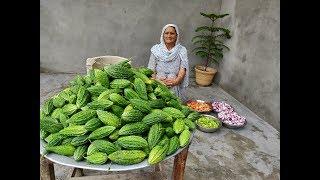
(169,61)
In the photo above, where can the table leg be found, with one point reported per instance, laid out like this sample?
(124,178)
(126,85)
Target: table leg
(158,173)
(157,167)
(75,172)
(179,164)
(46,169)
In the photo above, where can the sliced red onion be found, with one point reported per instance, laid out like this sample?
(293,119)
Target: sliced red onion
(227,114)
(221,106)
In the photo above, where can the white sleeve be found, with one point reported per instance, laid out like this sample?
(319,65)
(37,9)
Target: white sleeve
(152,62)
(185,64)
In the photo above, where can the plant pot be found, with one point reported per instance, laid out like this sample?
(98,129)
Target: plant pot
(204,78)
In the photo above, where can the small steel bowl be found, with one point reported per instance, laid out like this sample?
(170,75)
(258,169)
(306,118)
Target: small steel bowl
(233,126)
(209,130)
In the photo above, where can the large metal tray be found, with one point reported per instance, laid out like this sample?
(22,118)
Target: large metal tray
(69,161)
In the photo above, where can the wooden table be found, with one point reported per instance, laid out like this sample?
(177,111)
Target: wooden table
(47,171)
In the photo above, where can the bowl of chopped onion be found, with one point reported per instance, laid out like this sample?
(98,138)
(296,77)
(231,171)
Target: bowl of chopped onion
(232,119)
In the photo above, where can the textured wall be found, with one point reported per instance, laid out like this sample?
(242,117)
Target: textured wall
(73,30)
(251,70)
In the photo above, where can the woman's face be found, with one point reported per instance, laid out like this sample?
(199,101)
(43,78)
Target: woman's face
(170,35)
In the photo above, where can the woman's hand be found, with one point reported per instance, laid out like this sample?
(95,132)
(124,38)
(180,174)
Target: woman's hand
(162,79)
(176,81)
(171,82)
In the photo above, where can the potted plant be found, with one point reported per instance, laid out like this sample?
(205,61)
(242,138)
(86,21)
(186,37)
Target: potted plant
(210,48)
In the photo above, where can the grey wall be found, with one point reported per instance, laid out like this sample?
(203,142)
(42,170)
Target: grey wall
(73,30)
(251,70)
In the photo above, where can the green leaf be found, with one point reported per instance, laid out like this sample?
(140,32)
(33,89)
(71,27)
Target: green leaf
(215,60)
(221,29)
(222,45)
(205,37)
(212,29)
(199,48)
(217,55)
(223,35)
(205,42)
(202,54)
(219,41)
(208,42)
(203,51)
(204,28)
(222,15)
(216,51)
(213,16)
(200,41)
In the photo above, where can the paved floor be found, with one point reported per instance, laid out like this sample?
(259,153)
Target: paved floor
(249,153)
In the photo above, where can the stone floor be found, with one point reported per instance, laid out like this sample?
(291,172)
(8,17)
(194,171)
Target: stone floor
(249,153)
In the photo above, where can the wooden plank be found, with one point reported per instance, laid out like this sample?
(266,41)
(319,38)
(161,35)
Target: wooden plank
(46,169)
(179,164)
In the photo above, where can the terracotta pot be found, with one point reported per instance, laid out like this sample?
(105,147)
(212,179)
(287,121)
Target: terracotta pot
(204,78)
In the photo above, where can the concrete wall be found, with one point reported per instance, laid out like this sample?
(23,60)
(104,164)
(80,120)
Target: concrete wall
(251,70)
(73,30)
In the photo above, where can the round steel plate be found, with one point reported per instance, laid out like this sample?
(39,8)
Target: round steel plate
(69,161)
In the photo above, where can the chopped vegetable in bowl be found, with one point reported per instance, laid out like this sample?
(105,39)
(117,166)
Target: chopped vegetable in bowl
(208,122)
(199,105)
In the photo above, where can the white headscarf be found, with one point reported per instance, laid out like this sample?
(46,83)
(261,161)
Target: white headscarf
(161,52)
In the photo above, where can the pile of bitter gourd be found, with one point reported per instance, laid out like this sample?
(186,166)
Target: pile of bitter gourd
(117,113)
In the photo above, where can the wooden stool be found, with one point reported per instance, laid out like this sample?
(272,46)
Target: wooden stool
(47,171)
